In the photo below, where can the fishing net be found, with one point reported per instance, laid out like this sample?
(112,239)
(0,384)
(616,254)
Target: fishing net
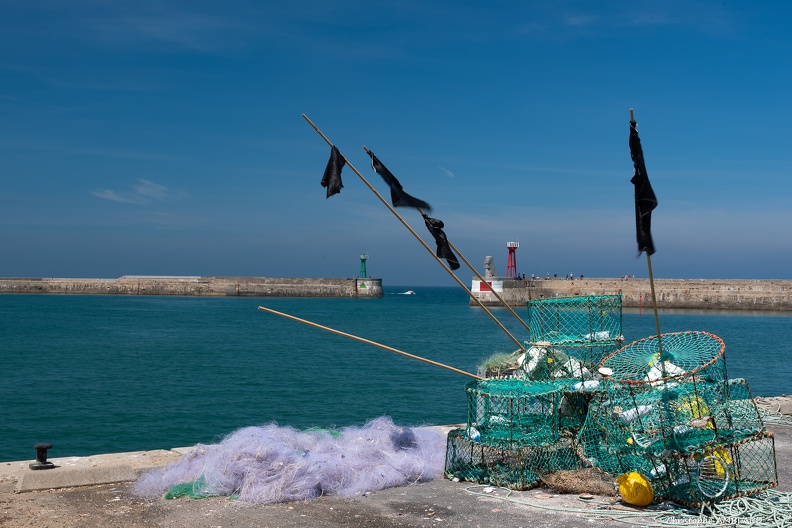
(272,464)
(588,320)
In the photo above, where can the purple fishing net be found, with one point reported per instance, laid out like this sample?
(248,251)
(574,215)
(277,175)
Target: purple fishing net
(270,464)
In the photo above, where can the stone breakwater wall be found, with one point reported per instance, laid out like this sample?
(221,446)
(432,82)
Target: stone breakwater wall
(199,286)
(712,294)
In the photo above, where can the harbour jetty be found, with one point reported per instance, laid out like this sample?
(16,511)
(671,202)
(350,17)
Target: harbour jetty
(708,294)
(200,286)
(96,492)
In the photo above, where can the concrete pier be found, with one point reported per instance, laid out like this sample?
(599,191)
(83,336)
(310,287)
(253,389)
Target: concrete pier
(199,286)
(95,492)
(708,294)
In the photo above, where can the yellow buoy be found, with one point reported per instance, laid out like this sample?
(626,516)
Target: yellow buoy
(635,489)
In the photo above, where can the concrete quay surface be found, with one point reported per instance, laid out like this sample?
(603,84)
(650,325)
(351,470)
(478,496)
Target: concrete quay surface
(95,492)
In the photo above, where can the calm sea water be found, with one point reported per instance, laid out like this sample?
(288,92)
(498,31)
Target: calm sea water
(94,374)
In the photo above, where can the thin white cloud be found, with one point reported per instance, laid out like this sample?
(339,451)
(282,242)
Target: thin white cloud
(144,192)
(695,15)
(163,24)
(192,31)
(447,172)
(65,147)
(109,194)
(582,20)
(149,189)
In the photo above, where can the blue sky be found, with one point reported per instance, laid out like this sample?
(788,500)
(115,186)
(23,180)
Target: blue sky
(165,138)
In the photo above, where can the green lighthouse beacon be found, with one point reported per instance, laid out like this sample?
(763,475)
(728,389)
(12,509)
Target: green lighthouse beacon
(365,286)
(363,258)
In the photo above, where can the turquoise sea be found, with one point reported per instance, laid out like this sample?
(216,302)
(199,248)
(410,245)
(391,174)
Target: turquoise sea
(98,374)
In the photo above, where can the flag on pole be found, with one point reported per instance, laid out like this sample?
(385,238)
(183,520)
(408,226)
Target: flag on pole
(435,227)
(645,199)
(399,198)
(332,173)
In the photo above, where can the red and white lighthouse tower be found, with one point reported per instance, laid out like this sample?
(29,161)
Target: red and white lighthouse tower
(511,263)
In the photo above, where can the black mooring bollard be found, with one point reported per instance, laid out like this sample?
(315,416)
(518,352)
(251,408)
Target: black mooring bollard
(41,457)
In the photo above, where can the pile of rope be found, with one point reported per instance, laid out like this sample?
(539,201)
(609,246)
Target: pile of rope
(770,411)
(766,509)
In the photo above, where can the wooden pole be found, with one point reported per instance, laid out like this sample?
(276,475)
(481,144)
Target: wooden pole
(652,287)
(654,302)
(369,342)
(661,359)
(410,229)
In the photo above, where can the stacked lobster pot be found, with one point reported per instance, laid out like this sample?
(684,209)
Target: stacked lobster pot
(669,411)
(570,336)
(521,428)
(662,406)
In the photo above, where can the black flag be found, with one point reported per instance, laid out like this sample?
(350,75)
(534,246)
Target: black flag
(645,199)
(435,227)
(332,173)
(399,198)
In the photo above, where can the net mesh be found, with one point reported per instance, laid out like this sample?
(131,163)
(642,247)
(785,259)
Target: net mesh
(593,319)
(661,406)
(512,413)
(517,468)
(548,362)
(570,336)
(718,472)
(677,355)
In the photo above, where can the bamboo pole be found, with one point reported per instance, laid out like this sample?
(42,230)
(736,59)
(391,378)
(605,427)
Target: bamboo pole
(417,237)
(369,342)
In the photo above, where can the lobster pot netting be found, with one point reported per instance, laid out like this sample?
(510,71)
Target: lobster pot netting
(509,412)
(514,468)
(544,361)
(741,417)
(572,411)
(681,418)
(679,399)
(576,320)
(678,356)
(719,472)
(606,443)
